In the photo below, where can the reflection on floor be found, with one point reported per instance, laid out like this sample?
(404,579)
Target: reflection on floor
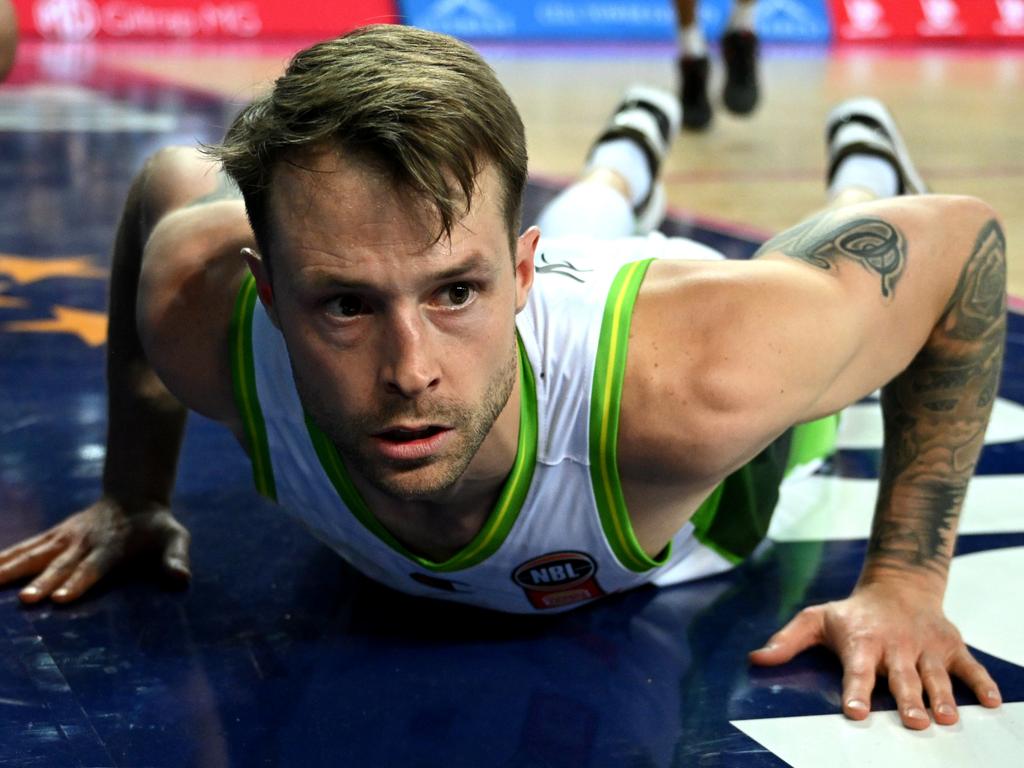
(279,654)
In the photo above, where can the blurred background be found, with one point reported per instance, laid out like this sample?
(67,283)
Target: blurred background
(951,70)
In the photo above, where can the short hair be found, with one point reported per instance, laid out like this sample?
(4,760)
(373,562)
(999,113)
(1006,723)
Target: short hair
(422,106)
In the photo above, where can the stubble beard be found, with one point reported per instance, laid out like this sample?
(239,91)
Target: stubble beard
(433,475)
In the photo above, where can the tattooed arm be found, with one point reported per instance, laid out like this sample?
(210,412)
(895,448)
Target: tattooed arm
(935,417)
(936,412)
(907,294)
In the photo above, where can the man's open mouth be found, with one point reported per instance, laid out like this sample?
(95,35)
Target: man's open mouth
(410,434)
(413,443)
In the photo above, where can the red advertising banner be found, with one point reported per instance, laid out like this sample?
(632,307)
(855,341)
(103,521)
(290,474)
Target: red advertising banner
(196,19)
(968,20)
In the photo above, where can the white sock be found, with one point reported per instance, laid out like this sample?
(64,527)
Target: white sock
(587,210)
(742,17)
(868,172)
(625,157)
(692,42)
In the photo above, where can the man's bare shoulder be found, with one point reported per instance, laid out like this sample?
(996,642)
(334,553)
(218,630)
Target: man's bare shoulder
(191,272)
(698,393)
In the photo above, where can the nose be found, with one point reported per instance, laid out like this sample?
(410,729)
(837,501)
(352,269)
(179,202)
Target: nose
(410,366)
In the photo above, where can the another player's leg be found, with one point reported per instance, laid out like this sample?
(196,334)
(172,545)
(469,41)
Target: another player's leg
(693,67)
(619,192)
(739,51)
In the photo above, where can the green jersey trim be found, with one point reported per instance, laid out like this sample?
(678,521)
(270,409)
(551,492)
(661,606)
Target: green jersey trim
(605,402)
(243,382)
(506,509)
(734,518)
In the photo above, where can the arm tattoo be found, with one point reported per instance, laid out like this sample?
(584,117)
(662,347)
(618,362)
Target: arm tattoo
(936,412)
(873,243)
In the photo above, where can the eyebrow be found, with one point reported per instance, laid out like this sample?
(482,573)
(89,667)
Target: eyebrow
(472,263)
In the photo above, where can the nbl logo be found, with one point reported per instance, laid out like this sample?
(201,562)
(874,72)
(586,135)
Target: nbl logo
(558,579)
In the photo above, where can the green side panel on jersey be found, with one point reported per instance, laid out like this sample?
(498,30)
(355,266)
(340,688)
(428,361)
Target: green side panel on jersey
(605,402)
(813,441)
(243,381)
(734,519)
(506,509)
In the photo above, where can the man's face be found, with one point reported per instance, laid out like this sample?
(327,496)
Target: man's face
(402,348)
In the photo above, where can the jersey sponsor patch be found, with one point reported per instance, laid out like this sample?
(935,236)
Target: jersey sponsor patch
(558,579)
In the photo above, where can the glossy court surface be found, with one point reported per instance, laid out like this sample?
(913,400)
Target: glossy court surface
(278,654)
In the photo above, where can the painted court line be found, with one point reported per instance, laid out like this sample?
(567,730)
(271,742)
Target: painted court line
(826,508)
(993,738)
(982,588)
(860,427)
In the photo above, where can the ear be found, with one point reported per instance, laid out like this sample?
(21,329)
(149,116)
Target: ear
(526,249)
(263,285)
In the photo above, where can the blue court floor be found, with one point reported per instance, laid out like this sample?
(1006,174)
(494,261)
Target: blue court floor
(279,654)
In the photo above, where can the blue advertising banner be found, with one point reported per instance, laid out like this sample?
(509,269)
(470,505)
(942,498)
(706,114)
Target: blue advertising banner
(777,20)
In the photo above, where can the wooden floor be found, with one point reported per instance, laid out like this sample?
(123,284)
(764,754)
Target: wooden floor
(961,109)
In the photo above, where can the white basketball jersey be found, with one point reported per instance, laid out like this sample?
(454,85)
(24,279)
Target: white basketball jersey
(559,535)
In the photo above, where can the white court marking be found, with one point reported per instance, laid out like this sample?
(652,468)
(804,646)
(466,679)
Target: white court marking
(824,508)
(821,508)
(861,425)
(984,600)
(984,738)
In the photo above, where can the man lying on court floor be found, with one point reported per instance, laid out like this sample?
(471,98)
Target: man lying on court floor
(526,421)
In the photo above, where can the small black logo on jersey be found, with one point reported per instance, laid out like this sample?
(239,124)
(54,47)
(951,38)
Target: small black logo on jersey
(563,268)
(445,585)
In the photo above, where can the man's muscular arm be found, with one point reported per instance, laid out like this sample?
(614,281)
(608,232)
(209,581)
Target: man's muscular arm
(936,412)
(145,421)
(144,432)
